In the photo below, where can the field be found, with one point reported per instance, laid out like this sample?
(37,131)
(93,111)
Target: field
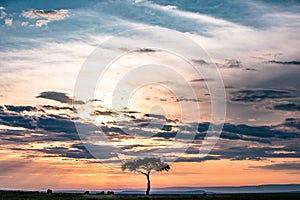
(8,195)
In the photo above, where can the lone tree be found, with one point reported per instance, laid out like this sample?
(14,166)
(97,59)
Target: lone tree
(145,166)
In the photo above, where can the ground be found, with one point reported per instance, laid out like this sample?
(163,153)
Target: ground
(8,195)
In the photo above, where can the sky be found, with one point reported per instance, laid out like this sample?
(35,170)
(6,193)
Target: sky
(211,87)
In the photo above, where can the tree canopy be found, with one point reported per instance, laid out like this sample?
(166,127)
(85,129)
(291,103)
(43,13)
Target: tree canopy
(145,166)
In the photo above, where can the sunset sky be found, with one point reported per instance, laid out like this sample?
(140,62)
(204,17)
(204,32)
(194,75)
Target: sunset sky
(87,85)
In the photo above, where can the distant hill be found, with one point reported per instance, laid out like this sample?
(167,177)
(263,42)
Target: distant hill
(272,188)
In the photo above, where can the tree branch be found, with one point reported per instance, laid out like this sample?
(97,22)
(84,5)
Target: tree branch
(141,172)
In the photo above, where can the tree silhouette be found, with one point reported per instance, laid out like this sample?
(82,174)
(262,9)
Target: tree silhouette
(145,166)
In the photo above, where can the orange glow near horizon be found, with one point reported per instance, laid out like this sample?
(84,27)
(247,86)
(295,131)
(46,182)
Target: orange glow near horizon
(62,174)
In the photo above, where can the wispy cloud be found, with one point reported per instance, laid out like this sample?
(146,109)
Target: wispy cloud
(259,95)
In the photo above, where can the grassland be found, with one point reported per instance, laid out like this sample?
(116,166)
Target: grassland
(9,195)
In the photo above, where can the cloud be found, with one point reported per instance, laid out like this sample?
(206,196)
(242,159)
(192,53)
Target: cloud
(166,135)
(41,22)
(293,62)
(66,152)
(12,165)
(146,50)
(149,115)
(20,108)
(287,107)
(232,63)
(40,123)
(8,21)
(107,112)
(50,14)
(17,120)
(54,123)
(235,136)
(203,80)
(200,62)
(24,23)
(250,69)
(103,151)
(58,96)
(187,99)
(267,132)
(292,122)
(44,17)
(251,153)
(251,95)
(51,127)
(197,159)
(50,107)
(281,166)
(2,12)
(243,132)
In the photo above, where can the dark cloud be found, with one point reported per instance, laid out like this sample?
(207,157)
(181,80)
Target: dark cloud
(100,151)
(16,120)
(42,13)
(293,62)
(108,113)
(95,100)
(197,159)
(200,62)
(252,153)
(243,132)
(187,99)
(130,112)
(58,96)
(166,135)
(113,131)
(255,131)
(250,69)
(50,107)
(46,123)
(79,153)
(203,80)
(287,107)
(281,166)
(53,123)
(259,95)
(146,50)
(202,127)
(140,50)
(148,115)
(20,108)
(292,123)
(235,136)
(167,127)
(51,127)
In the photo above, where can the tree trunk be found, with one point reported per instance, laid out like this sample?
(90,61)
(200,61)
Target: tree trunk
(148,184)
